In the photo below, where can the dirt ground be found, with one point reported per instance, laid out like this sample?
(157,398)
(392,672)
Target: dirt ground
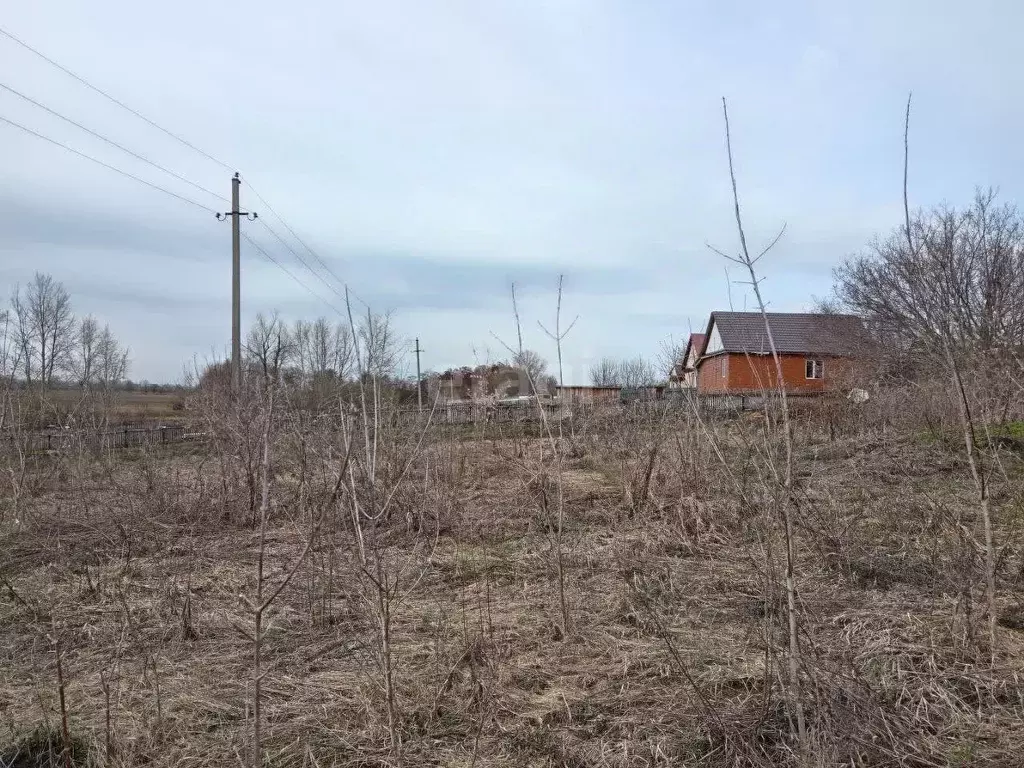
(135,580)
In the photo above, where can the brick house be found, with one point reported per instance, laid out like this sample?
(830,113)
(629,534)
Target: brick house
(818,352)
(684,373)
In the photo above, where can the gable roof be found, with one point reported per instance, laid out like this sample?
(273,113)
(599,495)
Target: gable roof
(695,343)
(793,332)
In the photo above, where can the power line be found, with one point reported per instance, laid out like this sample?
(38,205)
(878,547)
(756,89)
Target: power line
(303,243)
(107,165)
(290,274)
(177,138)
(299,258)
(111,142)
(107,96)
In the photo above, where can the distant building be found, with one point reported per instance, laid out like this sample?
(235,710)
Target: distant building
(684,373)
(457,385)
(817,351)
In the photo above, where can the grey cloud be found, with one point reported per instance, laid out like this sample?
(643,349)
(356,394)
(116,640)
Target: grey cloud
(390,280)
(31,222)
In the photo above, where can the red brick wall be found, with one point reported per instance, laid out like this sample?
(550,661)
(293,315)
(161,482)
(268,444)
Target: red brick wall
(709,374)
(754,373)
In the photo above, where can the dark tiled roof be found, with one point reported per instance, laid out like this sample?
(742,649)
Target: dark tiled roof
(794,333)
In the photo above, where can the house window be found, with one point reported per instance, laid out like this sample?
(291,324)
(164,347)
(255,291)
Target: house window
(725,366)
(814,369)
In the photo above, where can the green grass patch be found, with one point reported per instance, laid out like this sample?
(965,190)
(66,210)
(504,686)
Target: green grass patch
(1014,429)
(44,748)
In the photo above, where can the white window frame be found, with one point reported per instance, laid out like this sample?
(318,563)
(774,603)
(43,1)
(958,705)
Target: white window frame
(814,369)
(725,366)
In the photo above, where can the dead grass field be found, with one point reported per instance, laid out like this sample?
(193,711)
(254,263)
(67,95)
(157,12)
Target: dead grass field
(140,569)
(129,407)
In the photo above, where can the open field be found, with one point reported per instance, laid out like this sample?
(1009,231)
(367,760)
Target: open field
(436,636)
(126,407)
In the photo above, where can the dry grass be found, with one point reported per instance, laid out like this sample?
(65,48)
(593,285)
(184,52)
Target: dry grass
(672,655)
(125,407)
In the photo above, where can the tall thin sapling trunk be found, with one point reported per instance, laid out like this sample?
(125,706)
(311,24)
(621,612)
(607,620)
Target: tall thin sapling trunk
(748,262)
(974,457)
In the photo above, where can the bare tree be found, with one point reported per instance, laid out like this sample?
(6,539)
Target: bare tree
(670,354)
(46,327)
(532,366)
(269,346)
(637,372)
(10,349)
(300,339)
(320,346)
(83,357)
(945,276)
(606,373)
(23,334)
(111,360)
(10,364)
(381,347)
(343,352)
(631,373)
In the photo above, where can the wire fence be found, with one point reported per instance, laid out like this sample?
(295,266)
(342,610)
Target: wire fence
(122,436)
(469,412)
(68,440)
(477,413)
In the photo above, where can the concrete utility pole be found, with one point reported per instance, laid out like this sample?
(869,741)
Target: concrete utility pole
(419,379)
(236,283)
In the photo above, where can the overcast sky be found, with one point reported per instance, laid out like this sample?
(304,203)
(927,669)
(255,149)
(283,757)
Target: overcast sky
(433,152)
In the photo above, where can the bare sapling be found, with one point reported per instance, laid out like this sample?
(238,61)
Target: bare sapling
(108,731)
(371,490)
(65,731)
(267,594)
(749,262)
(539,477)
(558,336)
(975,459)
